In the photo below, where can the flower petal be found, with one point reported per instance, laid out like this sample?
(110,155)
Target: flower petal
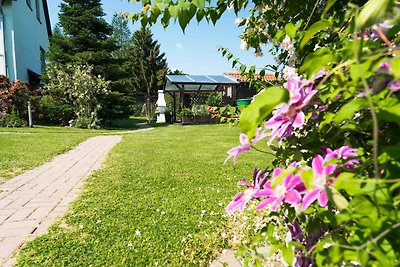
(264,203)
(292,197)
(264,193)
(323,198)
(299,120)
(309,198)
(317,165)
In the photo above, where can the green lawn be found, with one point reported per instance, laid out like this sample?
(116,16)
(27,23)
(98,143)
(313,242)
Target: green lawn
(159,200)
(24,148)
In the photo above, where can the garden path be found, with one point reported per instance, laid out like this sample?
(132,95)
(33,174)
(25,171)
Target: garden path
(30,202)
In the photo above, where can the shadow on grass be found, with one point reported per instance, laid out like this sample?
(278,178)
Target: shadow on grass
(133,123)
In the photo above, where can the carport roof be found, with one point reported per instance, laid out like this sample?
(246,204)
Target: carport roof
(196,83)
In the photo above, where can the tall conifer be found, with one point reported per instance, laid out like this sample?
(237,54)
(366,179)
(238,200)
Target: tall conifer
(85,39)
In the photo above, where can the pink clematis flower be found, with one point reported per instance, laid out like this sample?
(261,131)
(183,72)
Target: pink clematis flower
(394,86)
(236,151)
(245,144)
(321,173)
(240,201)
(285,192)
(343,152)
(287,117)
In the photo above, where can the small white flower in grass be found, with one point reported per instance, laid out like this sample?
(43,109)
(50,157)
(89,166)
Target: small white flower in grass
(189,235)
(98,221)
(130,245)
(158,210)
(138,233)
(163,212)
(81,226)
(211,222)
(223,235)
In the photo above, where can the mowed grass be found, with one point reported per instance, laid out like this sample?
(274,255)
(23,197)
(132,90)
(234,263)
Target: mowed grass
(25,148)
(158,200)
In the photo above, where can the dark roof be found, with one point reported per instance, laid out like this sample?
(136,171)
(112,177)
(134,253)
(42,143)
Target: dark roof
(242,78)
(47,17)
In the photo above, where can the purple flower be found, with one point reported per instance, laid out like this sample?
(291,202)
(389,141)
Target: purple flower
(284,192)
(344,152)
(236,151)
(287,117)
(245,144)
(321,174)
(240,201)
(394,86)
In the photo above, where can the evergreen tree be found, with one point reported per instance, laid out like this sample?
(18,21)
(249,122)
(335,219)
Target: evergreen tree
(84,38)
(148,67)
(122,36)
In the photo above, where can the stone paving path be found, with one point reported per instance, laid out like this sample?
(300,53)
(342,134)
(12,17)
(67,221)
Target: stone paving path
(30,202)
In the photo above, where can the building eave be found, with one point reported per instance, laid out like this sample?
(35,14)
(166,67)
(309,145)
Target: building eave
(47,17)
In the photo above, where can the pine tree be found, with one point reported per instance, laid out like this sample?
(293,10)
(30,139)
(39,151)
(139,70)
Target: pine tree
(122,36)
(84,38)
(148,67)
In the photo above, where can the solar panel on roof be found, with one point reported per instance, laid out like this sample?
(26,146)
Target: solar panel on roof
(179,78)
(221,79)
(201,79)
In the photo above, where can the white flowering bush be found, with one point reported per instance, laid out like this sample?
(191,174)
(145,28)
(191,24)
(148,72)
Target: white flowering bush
(81,89)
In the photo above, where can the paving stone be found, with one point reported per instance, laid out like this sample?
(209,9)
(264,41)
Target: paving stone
(21,214)
(30,202)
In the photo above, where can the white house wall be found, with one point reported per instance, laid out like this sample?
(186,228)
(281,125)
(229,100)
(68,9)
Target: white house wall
(29,36)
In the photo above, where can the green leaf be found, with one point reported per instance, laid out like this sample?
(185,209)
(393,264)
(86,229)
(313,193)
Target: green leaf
(200,4)
(390,113)
(200,15)
(165,19)
(288,255)
(395,63)
(234,62)
(314,62)
(159,4)
(350,108)
(374,11)
(328,6)
(340,201)
(308,178)
(174,11)
(290,30)
(260,108)
(335,254)
(314,29)
(278,179)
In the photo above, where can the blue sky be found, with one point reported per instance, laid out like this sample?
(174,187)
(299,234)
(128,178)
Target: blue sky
(196,50)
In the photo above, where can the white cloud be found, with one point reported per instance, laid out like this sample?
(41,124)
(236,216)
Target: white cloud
(179,45)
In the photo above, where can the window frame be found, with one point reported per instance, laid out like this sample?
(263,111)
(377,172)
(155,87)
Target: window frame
(29,4)
(38,13)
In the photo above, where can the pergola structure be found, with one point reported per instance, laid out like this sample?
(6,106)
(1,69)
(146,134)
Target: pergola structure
(186,84)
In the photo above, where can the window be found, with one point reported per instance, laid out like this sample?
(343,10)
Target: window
(29,3)
(42,59)
(37,2)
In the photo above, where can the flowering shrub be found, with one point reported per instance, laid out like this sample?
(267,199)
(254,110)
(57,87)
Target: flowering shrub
(333,127)
(14,98)
(82,90)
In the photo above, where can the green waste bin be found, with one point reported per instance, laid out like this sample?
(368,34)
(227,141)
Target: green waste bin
(242,103)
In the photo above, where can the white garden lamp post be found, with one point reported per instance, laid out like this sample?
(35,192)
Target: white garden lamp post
(161,107)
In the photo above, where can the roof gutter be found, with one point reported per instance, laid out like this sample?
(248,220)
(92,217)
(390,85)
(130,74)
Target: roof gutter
(47,17)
